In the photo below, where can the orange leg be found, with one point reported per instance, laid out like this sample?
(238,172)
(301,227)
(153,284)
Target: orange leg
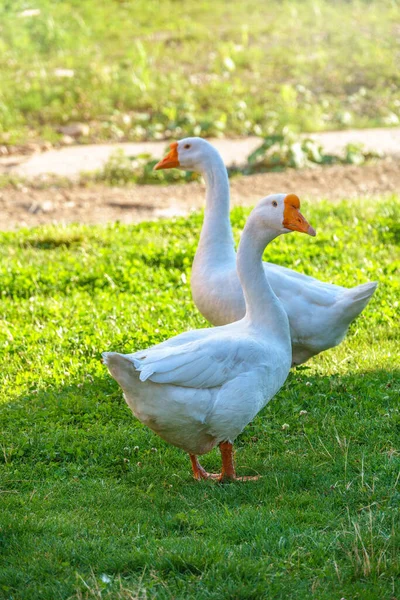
(228,472)
(198,471)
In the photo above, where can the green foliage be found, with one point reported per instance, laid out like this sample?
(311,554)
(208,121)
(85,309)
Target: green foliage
(136,70)
(94,505)
(121,169)
(279,151)
(356,154)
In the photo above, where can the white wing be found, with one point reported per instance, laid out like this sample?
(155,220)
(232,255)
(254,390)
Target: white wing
(207,362)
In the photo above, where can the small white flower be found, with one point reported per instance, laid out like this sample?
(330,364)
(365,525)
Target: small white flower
(285,426)
(29,12)
(303,412)
(229,63)
(64,72)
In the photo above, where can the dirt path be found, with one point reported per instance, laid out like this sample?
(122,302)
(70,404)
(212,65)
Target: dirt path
(26,206)
(70,161)
(99,204)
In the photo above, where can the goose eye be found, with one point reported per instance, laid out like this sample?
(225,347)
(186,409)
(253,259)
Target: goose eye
(186,146)
(274,203)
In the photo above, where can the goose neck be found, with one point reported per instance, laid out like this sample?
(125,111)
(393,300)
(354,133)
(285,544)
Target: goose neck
(262,306)
(217,226)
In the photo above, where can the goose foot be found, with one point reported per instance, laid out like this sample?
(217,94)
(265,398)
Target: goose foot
(198,472)
(228,473)
(225,479)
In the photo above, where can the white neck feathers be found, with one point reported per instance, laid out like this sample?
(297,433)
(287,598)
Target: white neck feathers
(256,287)
(216,229)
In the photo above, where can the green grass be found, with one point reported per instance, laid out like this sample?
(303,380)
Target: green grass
(94,505)
(156,69)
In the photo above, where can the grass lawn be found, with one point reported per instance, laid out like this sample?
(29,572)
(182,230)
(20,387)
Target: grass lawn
(136,69)
(94,505)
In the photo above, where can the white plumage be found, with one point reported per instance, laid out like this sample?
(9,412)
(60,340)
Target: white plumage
(200,393)
(201,388)
(319,313)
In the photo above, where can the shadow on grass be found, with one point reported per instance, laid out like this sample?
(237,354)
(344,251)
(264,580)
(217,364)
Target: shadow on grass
(87,428)
(87,489)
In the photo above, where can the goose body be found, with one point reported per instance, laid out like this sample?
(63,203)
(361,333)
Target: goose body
(201,388)
(319,313)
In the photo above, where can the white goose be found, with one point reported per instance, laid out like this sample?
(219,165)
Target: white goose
(319,313)
(202,387)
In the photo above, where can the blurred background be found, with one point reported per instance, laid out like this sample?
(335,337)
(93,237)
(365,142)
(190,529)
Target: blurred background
(297,81)
(135,70)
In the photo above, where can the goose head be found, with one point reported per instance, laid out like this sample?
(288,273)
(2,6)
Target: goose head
(189,154)
(277,211)
(281,212)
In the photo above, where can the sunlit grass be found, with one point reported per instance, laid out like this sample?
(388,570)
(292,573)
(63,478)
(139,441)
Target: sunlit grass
(94,505)
(137,69)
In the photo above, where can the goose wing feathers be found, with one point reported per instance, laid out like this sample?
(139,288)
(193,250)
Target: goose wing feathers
(207,362)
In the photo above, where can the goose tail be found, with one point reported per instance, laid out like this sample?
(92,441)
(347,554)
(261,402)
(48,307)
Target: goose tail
(358,297)
(121,369)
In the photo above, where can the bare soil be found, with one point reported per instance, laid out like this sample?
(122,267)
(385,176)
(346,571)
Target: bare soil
(29,207)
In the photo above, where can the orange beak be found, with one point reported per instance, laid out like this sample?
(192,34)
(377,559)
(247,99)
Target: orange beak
(171,160)
(292,217)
